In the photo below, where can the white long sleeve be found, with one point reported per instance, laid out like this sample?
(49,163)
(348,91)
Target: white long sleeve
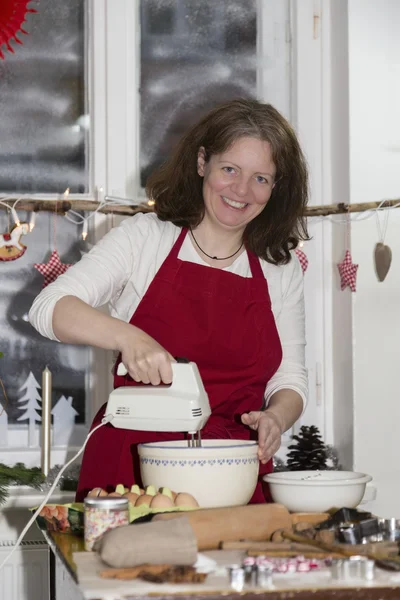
(120,268)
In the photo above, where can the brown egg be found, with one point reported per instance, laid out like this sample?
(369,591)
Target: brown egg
(161,501)
(131,497)
(144,500)
(174,495)
(96,492)
(185,499)
(114,494)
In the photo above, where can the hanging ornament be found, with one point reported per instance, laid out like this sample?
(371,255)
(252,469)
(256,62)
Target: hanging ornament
(12,16)
(382,253)
(348,272)
(347,269)
(11,247)
(52,269)
(303,260)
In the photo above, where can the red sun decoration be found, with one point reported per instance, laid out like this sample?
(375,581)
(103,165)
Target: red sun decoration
(12,17)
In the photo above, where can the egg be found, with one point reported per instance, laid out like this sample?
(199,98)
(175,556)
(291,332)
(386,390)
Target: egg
(115,494)
(161,501)
(185,499)
(96,492)
(144,500)
(131,497)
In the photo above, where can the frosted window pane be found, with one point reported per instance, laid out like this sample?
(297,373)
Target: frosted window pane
(43,125)
(194,54)
(23,348)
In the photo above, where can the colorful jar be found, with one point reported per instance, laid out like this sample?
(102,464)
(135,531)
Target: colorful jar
(102,514)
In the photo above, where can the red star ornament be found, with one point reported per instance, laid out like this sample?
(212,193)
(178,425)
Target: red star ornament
(12,17)
(303,260)
(52,269)
(348,272)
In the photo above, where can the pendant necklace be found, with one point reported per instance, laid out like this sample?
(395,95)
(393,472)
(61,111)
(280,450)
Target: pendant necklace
(215,257)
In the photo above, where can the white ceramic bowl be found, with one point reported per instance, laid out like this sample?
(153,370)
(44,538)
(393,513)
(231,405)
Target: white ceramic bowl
(317,491)
(220,473)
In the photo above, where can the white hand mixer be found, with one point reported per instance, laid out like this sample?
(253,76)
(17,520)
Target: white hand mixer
(181,406)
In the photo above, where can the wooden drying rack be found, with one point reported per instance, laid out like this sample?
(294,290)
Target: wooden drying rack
(63,206)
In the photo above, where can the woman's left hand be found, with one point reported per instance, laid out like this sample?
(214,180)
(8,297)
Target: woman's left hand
(269,432)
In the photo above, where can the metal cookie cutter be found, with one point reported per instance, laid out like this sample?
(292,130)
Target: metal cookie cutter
(355,567)
(236,577)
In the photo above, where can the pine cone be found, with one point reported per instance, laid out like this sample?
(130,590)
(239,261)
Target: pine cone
(309,452)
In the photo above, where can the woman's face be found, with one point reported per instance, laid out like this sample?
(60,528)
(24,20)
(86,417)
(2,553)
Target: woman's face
(237,183)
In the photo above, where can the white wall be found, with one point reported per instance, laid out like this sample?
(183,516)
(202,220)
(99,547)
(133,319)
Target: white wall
(374,76)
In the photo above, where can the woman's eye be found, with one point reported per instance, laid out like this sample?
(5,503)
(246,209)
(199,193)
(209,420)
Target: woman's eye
(228,169)
(261,179)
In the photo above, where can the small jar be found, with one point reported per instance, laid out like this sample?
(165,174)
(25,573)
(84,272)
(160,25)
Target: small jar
(101,514)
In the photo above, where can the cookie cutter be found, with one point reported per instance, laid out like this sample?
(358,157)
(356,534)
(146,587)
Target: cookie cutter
(355,567)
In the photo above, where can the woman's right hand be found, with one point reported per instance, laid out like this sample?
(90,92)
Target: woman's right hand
(145,359)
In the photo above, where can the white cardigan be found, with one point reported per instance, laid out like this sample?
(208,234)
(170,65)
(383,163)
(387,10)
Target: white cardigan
(120,268)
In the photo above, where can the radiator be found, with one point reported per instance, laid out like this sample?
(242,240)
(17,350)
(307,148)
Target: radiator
(25,576)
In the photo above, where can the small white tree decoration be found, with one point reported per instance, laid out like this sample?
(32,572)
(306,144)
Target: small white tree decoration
(63,421)
(31,398)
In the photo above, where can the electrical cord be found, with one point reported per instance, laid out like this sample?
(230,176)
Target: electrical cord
(106,419)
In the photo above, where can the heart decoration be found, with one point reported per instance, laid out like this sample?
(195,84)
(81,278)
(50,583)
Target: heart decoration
(383,260)
(12,17)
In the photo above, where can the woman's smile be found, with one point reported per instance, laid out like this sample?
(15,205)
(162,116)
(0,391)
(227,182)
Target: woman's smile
(234,204)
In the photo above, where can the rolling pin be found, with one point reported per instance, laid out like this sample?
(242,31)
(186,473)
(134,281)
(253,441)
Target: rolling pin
(213,526)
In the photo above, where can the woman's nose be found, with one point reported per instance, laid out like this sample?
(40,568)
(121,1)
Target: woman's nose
(240,186)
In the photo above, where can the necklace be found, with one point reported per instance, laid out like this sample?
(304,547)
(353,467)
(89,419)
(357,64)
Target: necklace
(215,257)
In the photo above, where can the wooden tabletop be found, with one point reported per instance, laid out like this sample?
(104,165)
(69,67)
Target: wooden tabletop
(64,545)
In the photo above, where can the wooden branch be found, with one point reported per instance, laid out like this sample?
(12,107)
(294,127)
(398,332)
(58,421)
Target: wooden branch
(63,206)
(342,208)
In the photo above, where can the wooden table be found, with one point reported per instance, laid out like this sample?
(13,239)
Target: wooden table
(65,585)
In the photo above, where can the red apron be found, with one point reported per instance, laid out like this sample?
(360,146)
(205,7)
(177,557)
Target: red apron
(221,321)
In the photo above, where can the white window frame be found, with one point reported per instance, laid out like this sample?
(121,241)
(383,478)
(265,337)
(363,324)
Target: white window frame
(114,81)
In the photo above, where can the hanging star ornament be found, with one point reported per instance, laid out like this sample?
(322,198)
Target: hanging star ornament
(12,16)
(303,260)
(52,269)
(348,272)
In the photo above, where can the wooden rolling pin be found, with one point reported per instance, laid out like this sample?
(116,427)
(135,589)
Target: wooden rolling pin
(213,526)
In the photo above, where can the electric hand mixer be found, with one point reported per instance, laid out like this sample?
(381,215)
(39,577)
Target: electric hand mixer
(181,406)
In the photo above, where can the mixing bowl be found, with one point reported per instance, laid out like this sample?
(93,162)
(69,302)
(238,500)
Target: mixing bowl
(220,473)
(317,491)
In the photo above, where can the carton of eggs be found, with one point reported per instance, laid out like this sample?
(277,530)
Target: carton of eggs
(161,499)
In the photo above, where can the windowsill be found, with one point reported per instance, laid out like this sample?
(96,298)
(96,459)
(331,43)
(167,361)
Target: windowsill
(21,496)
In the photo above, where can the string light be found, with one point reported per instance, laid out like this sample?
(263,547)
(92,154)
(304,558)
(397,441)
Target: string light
(151,202)
(32,221)
(84,229)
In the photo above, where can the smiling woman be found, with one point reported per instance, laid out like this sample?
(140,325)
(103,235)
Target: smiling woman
(238,182)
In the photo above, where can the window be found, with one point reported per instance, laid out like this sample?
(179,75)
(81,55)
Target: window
(193,55)
(45,149)
(100,110)
(44,124)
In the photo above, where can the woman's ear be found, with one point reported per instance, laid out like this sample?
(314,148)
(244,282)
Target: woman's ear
(201,161)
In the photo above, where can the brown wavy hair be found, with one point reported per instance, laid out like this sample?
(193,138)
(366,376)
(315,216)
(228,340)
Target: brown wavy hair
(176,187)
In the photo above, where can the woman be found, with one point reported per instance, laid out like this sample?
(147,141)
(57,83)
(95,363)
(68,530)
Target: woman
(210,277)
